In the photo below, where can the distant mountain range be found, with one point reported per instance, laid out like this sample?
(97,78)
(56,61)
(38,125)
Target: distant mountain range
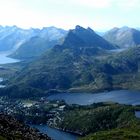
(41,42)
(30,42)
(124,37)
(11,37)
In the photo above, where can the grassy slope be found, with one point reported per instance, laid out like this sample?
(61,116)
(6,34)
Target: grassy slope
(115,134)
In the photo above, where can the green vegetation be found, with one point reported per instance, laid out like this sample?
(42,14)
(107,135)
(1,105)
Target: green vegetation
(97,117)
(2,138)
(104,120)
(115,134)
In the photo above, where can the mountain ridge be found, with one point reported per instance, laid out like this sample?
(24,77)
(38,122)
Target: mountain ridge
(124,37)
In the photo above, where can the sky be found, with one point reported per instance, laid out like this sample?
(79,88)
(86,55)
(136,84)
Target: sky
(97,14)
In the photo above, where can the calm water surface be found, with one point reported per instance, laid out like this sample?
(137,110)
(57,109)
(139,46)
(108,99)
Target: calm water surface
(119,96)
(5,60)
(54,133)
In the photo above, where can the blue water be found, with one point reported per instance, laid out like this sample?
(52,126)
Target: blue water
(137,114)
(6,60)
(119,96)
(55,134)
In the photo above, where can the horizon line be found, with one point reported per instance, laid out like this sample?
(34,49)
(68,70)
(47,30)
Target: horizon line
(51,26)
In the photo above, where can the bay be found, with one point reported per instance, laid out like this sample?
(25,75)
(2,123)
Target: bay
(118,96)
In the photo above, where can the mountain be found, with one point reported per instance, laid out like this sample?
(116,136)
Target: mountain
(37,45)
(11,37)
(52,33)
(91,39)
(65,66)
(124,37)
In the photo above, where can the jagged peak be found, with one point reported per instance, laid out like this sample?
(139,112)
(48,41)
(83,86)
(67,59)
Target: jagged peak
(90,29)
(79,28)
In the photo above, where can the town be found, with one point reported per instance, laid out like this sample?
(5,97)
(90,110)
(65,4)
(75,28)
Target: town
(36,111)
